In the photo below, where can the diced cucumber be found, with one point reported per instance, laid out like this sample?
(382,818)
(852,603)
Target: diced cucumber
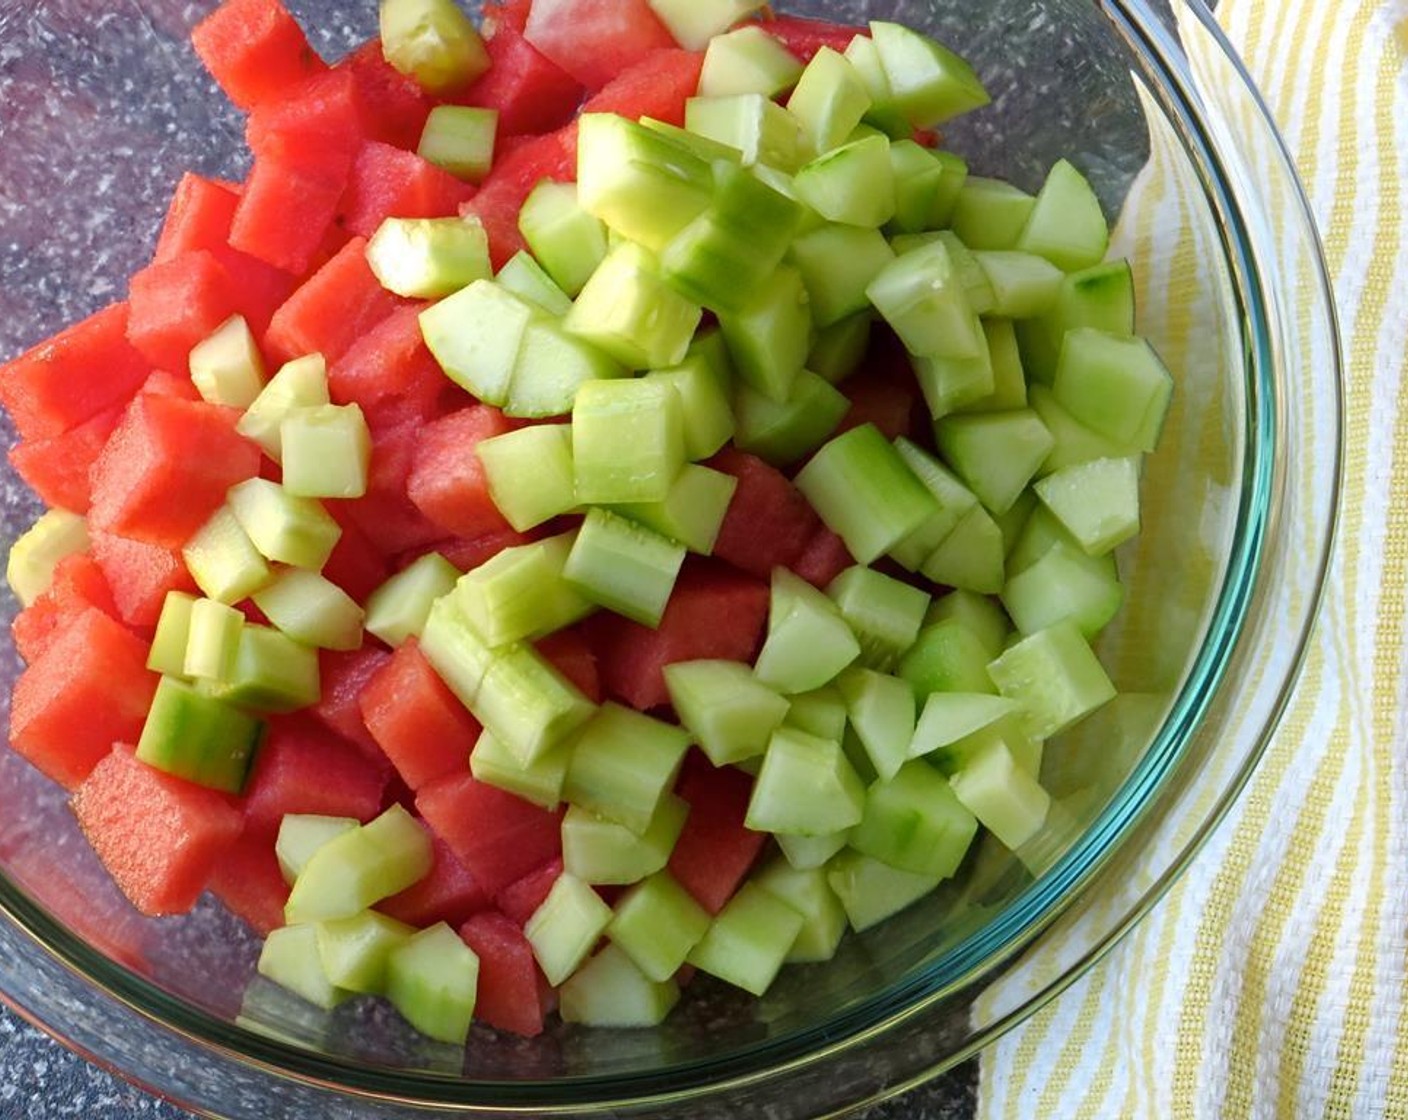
(620,564)
(1075,443)
(272,673)
(769,340)
(623,765)
(301,383)
(302,834)
(820,712)
(327,451)
(1007,730)
(950,384)
(883,613)
(883,115)
(539,781)
(1040,534)
(919,178)
(865,492)
(991,213)
(357,869)
(829,100)
(753,125)
(527,703)
(290,959)
(521,593)
(929,82)
(1116,386)
(694,22)
(1097,502)
(975,282)
(530,473)
(871,891)
(749,939)
(564,928)
(693,513)
(1066,226)
(29,568)
(950,716)
(433,43)
(946,198)
(979,614)
(785,432)
(454,649)
(1009,382)
(475,336)
(597,850)
(1101,297)
(881,712)
(627,441)
(995,453)
(704,400)
(657,923)
(173,628)
(952,500)
(212,639)
(853,183)
(198,737)
(284,528)
(838,350)
(356,951)
(552,365)
(1055,677)
(808,893)
(227,368)
(808,852)
(797,761)
(1024,285)
(426,258)
(432,979)
(970,557)
(921,296)
(460,138)
(526,278)
(747,60)
(1005,798)
(947,657)
(808,641)
(702,146)
(838,263)
(568,242)
(725,707)
(611,991)
(223,560)
(915,823)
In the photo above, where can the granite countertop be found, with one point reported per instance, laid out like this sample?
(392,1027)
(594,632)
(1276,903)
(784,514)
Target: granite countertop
(41,1080)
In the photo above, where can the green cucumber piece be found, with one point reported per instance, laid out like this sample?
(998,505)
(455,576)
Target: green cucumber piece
(769,339)
(1101,297)
(971,557)
(302,834)
(526,278)
(29,568)
(808,641)
(552,366)
(1012,523)
(784,432)
(1055,677)
(611,991)
(883,115)
(947,657)
(173,628)
(1066,226)
(991,213)
(808,852)
(950,384)
(995,453)
(871,891)
(272,673)
(290,959)
(627,441)
(454,649)
(1063,584)
(808,893)
(753,125)
(357,869)
(432,979)
(820,712)
(564,928)
(527,703)
(694,23)
(951,716)
(952,499)
(212,640)
(702,146)
(749,939)
(704,399)
(657,922)
(853,183)
(1040,534)
(568,242)
(426,258)
(797,761)
(982,617)
(301,383)
(838,350)
(914,822)
(475,336)
(1009,381)
(946,198)
(881,712)
(883,613)
(397,610)
(433,43)
(838,263)
(530,473)
(693,513)
(747,60)
(198,737)
(1097,502)
(725,707)
(1075,443)
(1024,285)
(356,951)
(227,368)
(460,139)
(620,564)
(829,100)
(930,84)
(539,781)
(522,593)
(919,180)
(623,765)
(1116,386)
(223,560)
(597,850)
(1007,800)
(921,295)
(284,527)
(327,451)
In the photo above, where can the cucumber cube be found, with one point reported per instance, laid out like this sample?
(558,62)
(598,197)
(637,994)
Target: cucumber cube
(701,146)
(1007,730)
(212,639)
(327,451)
(820,712)
(865,492)
(838,350)
(1040,534)
(302,834)
(627,310)
(397,610)
(726,708)
(806,853)
(704,399)
(797,761)
(995,453)
(627,441)
(1116,386)
(1056,678)
(1066,226)
(597,850)
(1009,382)
(300,383)
(953,501)
(921,295)
(624,566)
(694,22)
(930,84)
(475,336)
(971,557)
(460,139)
(525,278)
(991,213)
(227,368)
(312,610)
(694,512)
(747,60)
(808,641)
(284,528)
(979,614)
(883,613)
(272,673)
(854,183)
(950,384)
(947,657)
(950,716)
(623,765)
(355,951)
(914,822)
(539,781)
(568,242)
(808,893)
(198,737)
(611,991)
(223,560)
(657,923)
(1075,443)
(433,43)
(971,275)
(749,939)
(883,115)
(1097,502)
(290,959)
(769,340)
(356,870)
(946,198)
(29,569)
(837,264)
(1063,584)
(529,472)
(785,432)
(173,628)
(426,258)
(871,891)
(1023,284)
(432,979)
(564,928)
(454,649)
(525,702)
(552,365)
(829,100)
(1101,297)
(1005,798)
(521,593)
(755,126)
(881,711)
(919,177)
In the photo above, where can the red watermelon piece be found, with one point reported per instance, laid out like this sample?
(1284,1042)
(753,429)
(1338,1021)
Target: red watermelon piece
(571,655)
(530,92)
(343,674)
(199,217)
(656,86)
(58,468)
(304,768)
(140,575)
(823,559)
(255,50)
(882,399)
(386,514)
(338,304)
(715,850)
(159,837)
(248,880)
(394,108)
(177,303)
(594,40)
(319,124)
(89,689)
(520,899)
(83,370)
(78,585)
(517,170)
(388,182)
(506,14)
(768,522)
(390,374)
(356,564)
(498,837)
(416,719)
(713,612)
(260,288)
(804,37)
(165,384)
(467,553)
(509,993)
(286,211)
(447,481)
(448,894)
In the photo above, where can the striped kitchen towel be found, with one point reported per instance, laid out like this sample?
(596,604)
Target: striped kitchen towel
(1270,982)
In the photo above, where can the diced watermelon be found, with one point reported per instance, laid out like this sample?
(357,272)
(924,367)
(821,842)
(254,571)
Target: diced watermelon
(571,655)
(823,559)
(884,399)
(255,50)
(88,690)
(394,108)
(714,850)
(768,522)
(77,585)
(164,384)
(517,170)
(388,182)
(448,894)
(804,37)
(83,370)
(338,304)
(356,564)
(177,303)
(594,40)
(467,553)
(657,86)
(167,467)
(522,897)
(260,289)
(390,373)
(417,720)
(58,468)
(159,836)
(501,14)
(320,125)
(342,675)
(199,217)
(140,575)
(247,879)
(386,514)
(497,836)
(713,612)
(447,481)
(529,91)
(304,768)
(286,212)
(508,997)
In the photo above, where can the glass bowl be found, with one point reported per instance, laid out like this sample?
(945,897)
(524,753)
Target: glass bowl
(102,106)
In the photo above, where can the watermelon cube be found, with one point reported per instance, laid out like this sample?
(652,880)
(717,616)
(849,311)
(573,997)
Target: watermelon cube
(504,14)
(83,370)
(78,584)
(338,304)
(356,564)
(160,837)
(447,481)
(319,124)
(530,92)
(199,217)
(255,50)
(594,40)
(343,674)
(140,575)
(286,212)
(260,288)
(163,384)
(448,894)
(88,690)
(57,468)
(715,850)
(823,558)
(390,374)
(522,897)
(571,655)
(248,880)
(385,514)
(394,108)
(304,768)
(884,399)
(804,37)
(498,837)
(517,170)
(768,522)
(509,997)
(176,303)
(387,182)
(467,553)
(656,86)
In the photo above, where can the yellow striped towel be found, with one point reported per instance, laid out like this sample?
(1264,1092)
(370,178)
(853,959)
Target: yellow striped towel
(1271,980)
